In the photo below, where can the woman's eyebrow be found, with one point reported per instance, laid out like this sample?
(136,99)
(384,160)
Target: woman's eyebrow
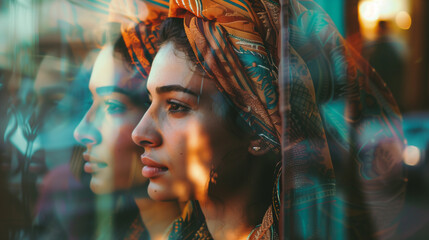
(137,96)
(106,90)
(174,88)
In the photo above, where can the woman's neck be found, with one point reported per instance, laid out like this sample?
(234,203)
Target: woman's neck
(227,220)
(240,210)
(157,216)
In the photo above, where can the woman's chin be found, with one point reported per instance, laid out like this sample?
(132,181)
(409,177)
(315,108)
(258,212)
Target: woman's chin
(100,187)
(170,192)
(157,193)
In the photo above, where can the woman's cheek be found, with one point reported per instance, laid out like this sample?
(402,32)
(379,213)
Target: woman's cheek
(124,152)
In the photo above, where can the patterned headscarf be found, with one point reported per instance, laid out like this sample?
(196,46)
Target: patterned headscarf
(140,30)
(235,43)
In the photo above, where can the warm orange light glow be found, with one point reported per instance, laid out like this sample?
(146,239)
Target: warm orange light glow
(199,154)
(388,8)
(403,20)
(182,190)
(412,155)
(373,11)
(232,235)
(369,11)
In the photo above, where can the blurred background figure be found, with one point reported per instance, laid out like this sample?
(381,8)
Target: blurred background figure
(385,56)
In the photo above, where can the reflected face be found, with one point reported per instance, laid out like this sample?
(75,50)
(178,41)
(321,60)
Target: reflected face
(183,132)
(111,157)
(52,87)
(40,132)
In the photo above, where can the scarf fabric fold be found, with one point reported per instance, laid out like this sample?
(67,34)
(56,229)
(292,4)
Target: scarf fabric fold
(235,42)
(140,24)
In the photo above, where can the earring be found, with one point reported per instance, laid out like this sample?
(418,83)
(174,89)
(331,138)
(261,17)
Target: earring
(213,175)
(256,148)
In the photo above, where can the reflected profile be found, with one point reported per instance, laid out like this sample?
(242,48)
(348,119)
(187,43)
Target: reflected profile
(119,100)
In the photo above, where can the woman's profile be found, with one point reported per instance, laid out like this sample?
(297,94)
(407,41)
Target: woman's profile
(200,146)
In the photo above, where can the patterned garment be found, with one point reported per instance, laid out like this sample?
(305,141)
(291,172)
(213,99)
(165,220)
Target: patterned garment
(137,231)
(343,176)
(131,12)
(191,225)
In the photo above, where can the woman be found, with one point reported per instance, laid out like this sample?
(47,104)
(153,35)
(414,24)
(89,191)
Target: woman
(201,142)
(112,160)
(225,54)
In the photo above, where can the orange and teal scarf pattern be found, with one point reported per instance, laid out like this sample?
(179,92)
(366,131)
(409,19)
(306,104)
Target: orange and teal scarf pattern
(141,37)
(235,42)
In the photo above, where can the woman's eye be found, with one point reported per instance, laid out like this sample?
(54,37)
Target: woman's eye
(174,107)
(115,107)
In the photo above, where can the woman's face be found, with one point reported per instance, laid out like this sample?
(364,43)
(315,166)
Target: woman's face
(183,132)
(111,157)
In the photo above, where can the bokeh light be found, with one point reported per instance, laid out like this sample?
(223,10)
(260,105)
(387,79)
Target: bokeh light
(403,20)
(411,155)
(373,11)
(198,159)
(369,11)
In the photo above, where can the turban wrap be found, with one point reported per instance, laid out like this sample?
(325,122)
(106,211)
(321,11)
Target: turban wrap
(141,30)
(235,42)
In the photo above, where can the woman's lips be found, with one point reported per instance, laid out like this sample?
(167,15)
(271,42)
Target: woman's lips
(91,165)
(152,169)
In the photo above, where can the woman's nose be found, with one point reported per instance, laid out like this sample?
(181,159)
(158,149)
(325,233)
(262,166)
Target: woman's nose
(147,134)
(86,133)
